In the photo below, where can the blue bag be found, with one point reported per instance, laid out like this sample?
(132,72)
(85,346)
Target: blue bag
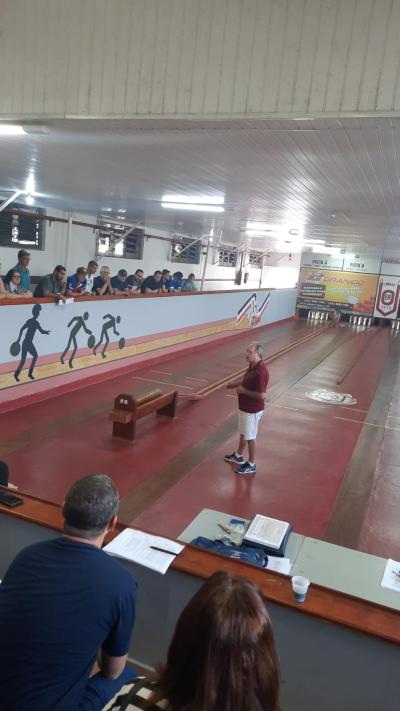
(255,556)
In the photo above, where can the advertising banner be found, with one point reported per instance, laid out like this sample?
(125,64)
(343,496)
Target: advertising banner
(387,297)
(363,265)
(348,292)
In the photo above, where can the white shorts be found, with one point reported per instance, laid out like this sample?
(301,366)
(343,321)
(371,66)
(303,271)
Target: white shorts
(248,423)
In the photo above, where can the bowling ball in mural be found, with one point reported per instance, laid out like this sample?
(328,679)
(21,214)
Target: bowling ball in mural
(121,343)
(15,348)
(91,341)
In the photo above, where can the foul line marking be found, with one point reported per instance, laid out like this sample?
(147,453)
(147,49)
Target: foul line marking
(284,407)
(161,382)
(371,424)
(202,379)
(161,371)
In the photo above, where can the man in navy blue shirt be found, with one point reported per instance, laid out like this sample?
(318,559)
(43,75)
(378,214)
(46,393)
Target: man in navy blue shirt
(62,602)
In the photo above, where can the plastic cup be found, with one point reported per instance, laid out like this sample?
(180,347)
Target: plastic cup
(300,587)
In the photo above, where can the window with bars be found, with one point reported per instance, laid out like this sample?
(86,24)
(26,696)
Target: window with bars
(191,253)
(22,228)
(109,241)
(227,257)
(256,260)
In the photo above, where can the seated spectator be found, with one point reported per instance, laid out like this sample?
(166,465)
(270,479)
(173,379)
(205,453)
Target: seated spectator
(166,280)
(90,272)
(135,280)
(53,284)
(102,284)
(176,282)
(222,656)
(76,284)
(22,267)
(12,283)
(62,601)
(3,293)
(120,283)
(188,284)
(152,284)
(4,476)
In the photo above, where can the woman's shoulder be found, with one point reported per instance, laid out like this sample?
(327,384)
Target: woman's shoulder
(134,697)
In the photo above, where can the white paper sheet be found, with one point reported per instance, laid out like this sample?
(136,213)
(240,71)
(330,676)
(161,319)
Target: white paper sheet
(135,545)
(391,576)
(279,565)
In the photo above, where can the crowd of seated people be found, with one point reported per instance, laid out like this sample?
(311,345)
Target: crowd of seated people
(85,281)
(64,602)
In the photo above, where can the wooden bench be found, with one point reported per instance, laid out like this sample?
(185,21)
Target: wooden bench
(128,410)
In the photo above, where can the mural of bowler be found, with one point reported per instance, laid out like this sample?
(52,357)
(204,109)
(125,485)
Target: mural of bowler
(30,326)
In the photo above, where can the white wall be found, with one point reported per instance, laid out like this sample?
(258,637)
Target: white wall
(155,256)
(213,58)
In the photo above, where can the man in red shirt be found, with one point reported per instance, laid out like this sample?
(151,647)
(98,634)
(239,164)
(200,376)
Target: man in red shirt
(251,390)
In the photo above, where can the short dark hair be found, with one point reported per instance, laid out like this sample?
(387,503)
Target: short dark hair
(92,263)
(81,270)
(23,253)
(165,271)
(139,270)
(123,272)
(179,275)
(157,272)
(59,268)
(222,654)
(90,505)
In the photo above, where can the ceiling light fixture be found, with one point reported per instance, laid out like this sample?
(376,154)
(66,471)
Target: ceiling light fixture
(122,211)
(200,207)
(29,199)
(106,209)
(193,199)
(9,129)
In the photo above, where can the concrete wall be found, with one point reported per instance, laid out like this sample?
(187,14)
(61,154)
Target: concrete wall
(198,57)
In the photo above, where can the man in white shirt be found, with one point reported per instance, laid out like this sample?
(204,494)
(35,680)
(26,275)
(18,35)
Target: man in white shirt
(90,272)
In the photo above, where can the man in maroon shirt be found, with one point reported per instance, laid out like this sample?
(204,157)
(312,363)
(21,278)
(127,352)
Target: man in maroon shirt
(251,390)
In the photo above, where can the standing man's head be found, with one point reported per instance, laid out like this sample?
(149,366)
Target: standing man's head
(24,258)
(157,275)
(92,267)
(254,353)
(90,507)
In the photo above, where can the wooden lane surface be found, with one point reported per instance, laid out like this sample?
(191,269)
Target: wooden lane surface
(330,605)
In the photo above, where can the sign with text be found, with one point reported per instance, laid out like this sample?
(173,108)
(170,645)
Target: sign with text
(321,261)
(362,265)
(387,297)
(346,291)
(390,266)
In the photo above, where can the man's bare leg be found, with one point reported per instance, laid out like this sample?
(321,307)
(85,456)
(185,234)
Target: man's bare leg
(242,445)
(251,443)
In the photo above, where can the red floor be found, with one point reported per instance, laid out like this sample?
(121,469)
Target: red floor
(302,450)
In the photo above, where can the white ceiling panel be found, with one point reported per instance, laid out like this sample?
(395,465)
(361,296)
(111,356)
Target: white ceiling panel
(338,179)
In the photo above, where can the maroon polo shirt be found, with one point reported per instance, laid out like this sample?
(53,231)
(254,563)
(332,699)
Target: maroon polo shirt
(255,378)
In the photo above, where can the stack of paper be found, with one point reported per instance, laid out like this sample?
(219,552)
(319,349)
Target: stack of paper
(151,551)
(391,576)
(266,531)
(279,565)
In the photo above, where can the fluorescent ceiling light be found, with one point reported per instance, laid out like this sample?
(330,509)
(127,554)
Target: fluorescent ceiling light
(193,199)
(333,251)
(30,184)
(106,209)
(29,199)
(313,241)
(9,129)
(193,206)
(122,211)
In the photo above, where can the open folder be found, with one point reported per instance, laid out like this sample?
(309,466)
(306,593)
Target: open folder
(137,546)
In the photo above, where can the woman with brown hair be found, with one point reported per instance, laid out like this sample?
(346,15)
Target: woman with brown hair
(222,656)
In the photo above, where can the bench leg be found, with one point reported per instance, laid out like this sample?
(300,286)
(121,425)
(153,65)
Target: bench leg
(125,431)
(169,410)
